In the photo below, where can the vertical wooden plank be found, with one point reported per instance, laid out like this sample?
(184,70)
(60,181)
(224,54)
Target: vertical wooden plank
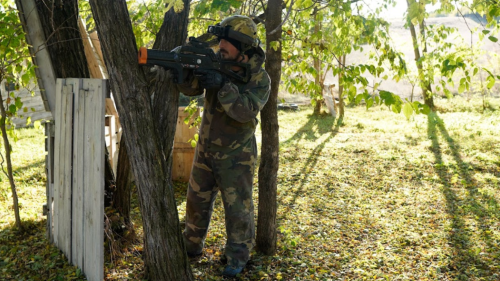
(113,139)
(50,178)
(78,179)
(65,231)
(48,173)
(94,187)
(94,67)
(97,47)
(57,154)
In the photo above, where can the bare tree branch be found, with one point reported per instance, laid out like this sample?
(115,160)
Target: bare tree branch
(286,18)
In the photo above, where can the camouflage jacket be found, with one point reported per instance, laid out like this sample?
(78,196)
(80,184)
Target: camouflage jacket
(230,113)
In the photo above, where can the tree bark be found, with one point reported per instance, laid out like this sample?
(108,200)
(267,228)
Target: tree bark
(59,21)
(109,180)
(269,161)
(173,33)
(121,198)
(342,64)
(165,255)
(317,66)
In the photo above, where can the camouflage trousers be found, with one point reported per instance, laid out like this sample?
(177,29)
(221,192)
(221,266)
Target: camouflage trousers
(231,173)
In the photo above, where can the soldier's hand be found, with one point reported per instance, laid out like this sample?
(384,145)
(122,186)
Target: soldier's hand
(181,78)
(210,79)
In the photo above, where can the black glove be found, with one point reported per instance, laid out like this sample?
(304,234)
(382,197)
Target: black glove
(176,76)
(210,79)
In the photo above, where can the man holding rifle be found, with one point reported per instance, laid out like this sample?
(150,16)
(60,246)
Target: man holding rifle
(226,152)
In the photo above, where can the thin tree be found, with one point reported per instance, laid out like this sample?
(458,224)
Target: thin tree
(425,82)
(269,161)
(14,71)
(8,152)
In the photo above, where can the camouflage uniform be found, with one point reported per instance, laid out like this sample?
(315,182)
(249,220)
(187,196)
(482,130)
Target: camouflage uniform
(224,160)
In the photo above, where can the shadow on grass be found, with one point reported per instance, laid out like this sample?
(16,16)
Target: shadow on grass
(323,126)
(27,255)
(466,259)
(23,169)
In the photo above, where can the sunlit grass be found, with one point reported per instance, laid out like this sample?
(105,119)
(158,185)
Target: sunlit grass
(28,160)
(376,197)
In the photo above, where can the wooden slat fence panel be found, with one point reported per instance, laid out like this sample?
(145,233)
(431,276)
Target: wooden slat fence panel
(78,178)
(49,171)
(93,219)
(57,144)
(62,173)
(78,213)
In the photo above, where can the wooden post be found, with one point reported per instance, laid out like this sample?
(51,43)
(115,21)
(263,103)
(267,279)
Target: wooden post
(62,172)
(40,55)
(49,171)
(93,219)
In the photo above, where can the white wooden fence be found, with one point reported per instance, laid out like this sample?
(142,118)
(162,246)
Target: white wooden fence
(76,197)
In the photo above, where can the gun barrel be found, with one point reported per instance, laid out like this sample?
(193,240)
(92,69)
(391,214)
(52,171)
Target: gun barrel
(151,56)
(143,55)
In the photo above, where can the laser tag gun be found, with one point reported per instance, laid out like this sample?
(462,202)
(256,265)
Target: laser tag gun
(195,55)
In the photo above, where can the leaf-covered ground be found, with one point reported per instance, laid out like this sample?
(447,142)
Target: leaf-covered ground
(374,198)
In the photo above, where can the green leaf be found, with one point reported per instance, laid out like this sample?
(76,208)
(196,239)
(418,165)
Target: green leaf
(369,103)
(461,88)
(274,45)
(224,5)
(359,98)
(19,103)
(408,110)
(12,108)
(387,97)
(425,109)
(493,39)
(396,108)
(485,31)
(25,78)
(491,82)
(37,124)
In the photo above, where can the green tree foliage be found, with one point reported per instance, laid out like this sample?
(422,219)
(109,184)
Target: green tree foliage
(342,31)
(445,59)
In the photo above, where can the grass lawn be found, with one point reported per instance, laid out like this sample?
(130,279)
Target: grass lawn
(376,197)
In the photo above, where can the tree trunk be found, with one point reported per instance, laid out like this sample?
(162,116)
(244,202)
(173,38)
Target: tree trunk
(317,66)
(9,173)
(165,253)
(121,197)
(173,33)
(109,180)
(424,83)
(341,89)
(269,161)
(59,21)
(428,96)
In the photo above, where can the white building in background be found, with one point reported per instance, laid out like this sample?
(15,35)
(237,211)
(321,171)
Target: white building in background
(33,103)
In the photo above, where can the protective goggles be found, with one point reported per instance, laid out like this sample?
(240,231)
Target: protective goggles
(227,32)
